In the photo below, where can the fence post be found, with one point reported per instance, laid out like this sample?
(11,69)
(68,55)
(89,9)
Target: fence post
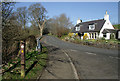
(22,51)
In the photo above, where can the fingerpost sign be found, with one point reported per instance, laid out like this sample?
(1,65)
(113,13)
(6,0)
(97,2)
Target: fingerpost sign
(22,51)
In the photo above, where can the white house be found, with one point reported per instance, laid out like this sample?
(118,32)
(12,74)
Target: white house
(95,29)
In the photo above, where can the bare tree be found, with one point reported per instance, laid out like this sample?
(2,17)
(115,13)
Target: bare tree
(22,15)
(7,8)
(64,21)
(59,25)
(38,14)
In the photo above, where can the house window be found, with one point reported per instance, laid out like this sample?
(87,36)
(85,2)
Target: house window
(91,27)
(82,34)
(92,35)
(104,35)
(95,35)
(77,28)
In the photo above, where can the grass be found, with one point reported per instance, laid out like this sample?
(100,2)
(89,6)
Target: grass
(100,43)
(114,41)
(34,65)
(62,37)
(0,77)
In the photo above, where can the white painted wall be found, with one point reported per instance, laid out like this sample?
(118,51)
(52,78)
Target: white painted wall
(82,37)
(107,25)
(77,28)
(107,36)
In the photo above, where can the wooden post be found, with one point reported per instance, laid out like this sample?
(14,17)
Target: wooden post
(22,51)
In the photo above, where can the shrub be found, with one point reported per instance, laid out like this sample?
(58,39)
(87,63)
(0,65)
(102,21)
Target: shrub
(70,34)
(112,36)
(85,36)
(30,43)
(102,38)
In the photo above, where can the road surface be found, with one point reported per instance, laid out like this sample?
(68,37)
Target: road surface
(87,62)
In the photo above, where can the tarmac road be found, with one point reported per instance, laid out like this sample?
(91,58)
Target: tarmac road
(89,62)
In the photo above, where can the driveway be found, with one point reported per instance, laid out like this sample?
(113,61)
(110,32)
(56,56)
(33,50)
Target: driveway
(86,62)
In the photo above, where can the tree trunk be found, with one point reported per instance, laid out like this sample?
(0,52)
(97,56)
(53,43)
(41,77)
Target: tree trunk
(41,31)
(41,28)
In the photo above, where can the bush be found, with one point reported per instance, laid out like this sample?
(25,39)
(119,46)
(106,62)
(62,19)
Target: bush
(112,36)
(85,36)
(30,43)
(70,34)
(102,38)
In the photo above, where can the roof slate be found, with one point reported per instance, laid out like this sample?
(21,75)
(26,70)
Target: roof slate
(109,31)
(84,26)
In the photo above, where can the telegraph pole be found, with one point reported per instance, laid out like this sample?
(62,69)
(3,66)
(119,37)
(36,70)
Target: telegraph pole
(22,51)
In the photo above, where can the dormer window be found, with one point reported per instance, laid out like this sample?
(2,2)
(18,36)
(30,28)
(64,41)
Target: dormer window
(92,27)
(77,28)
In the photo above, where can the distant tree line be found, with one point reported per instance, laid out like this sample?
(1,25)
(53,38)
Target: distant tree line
(58,25)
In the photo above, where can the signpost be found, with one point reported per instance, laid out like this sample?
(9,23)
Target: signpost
(22,51)
(39,46)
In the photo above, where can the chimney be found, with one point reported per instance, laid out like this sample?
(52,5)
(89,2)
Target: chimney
(106,16)
(79,21)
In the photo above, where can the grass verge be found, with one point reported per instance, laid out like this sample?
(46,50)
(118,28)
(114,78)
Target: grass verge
(0,77)
(34,65)
(99,43)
